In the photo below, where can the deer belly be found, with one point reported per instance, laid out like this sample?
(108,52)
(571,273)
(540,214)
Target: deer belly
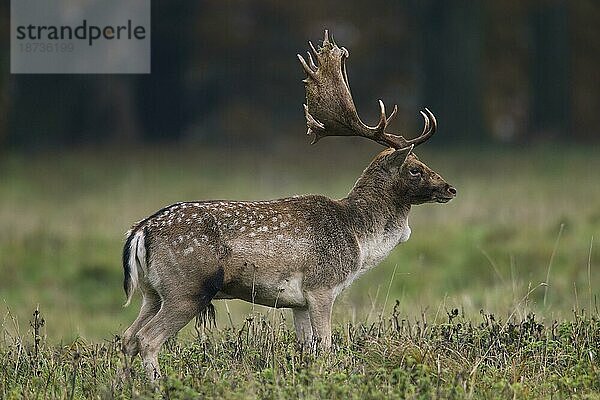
(277,289)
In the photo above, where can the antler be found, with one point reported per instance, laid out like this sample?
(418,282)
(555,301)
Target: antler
(330,110)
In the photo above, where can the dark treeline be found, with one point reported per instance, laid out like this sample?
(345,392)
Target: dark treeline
(225,72)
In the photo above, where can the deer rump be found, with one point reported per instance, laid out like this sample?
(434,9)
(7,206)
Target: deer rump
(155,262)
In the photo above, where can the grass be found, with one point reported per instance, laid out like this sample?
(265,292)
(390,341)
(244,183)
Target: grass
(390,358)
(517,241)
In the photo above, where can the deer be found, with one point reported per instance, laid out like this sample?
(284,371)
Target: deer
(298,252)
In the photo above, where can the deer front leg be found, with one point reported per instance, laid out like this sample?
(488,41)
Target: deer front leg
(320,305)
(304,333)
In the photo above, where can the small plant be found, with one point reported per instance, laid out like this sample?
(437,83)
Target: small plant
(37,323)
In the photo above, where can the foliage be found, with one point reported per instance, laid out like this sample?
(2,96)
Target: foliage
(509,71)
(392,358)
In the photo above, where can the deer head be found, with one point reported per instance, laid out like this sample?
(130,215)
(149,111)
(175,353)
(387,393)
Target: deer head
(330,111)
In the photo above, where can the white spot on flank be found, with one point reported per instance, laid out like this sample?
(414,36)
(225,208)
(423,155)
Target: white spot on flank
(187,251)
(274,219)
(242,229)
(253,234)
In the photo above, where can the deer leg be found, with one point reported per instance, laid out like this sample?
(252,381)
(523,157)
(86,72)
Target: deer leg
(173,315)
(150,306)
(320,305)
(303,327)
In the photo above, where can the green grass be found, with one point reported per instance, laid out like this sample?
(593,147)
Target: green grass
(391,358)
(517,240)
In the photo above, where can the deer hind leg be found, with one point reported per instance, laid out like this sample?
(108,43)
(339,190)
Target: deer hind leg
(150,305)
(180,304)
(173,315)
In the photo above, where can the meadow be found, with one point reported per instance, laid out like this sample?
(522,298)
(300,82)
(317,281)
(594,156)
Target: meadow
(494,295)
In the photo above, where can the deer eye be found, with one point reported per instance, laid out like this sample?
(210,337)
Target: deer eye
(414,172)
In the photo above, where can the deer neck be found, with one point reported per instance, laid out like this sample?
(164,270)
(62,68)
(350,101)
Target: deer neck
(377,214)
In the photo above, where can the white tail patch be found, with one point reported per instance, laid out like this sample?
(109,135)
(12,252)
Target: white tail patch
(137,262)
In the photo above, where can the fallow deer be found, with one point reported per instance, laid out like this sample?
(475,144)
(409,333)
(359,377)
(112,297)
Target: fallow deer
(298,252)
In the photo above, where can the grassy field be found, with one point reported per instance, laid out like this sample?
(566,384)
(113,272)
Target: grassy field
(518,240)
(390,358)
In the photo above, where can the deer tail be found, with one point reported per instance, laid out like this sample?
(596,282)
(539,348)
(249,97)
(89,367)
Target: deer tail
(134,261)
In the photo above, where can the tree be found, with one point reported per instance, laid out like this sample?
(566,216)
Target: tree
(550,69)
(451,40)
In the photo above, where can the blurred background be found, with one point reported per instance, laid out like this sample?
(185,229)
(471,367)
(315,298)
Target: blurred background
(514,85)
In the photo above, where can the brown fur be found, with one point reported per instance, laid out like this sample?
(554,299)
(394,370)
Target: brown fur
(297,252)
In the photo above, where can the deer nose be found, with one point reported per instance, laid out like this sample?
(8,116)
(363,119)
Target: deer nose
(451,190)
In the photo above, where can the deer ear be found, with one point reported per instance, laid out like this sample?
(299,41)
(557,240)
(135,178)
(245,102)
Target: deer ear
(398,157)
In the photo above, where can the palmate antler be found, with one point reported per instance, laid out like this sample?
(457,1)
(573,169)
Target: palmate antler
(330,110)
